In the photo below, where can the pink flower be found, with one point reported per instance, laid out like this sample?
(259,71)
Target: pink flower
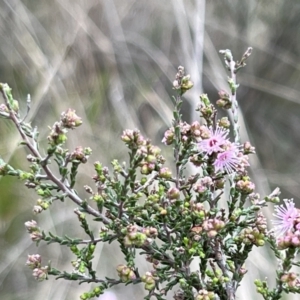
(286,217)
(214,143)
(228,160)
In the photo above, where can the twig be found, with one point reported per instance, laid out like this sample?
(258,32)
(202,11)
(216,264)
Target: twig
(71,194)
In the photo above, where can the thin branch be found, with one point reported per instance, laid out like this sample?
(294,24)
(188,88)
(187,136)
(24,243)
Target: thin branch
(71,194)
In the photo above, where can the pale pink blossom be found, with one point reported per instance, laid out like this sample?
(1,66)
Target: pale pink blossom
(215,142)
(286,217)
(228,160)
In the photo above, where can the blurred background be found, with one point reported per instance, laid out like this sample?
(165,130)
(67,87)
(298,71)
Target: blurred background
(114,62)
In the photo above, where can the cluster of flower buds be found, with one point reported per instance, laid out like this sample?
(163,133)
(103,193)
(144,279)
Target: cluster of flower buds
(173,193)
(169,136)
(251,236)
(196,232)
(248,148)
(41,205)
(133,138)
(57,135)
(216,277)
(291,280)
(224,101)
(243,163)
(274,196)
(198,131)
(102,172)
(34,262)
(96,292)
(33,230)
(149,280)
(40,274)
(212,226)
(151,232)
(289,240)
(223,122)
(188,133)
(68,120)
(256,234)
(81,154)
(138,237)
(125,273)
(182,82)
(78,264)
(165,173)
(231,266)
(197,209)
(244,185)
(203,185)
(12,103)
(261,223)
(206,109)
(205,295)
(151,158)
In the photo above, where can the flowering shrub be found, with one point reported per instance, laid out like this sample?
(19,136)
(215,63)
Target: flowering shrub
(172,215)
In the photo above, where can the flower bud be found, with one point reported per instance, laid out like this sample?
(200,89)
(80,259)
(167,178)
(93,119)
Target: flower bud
(70,120)
(173,193)
(34,261)
(248,148)
(37,209)
(149,281)
(132,137)
(212,233)
(163,211)
(125,273)
(3,108)
(165,173)
(40,274)
(81,215)
(176,85)
(195,129)
(224,122)
(168,137)
(88,189)
(224,103)
(245,187)
(145,170)
(186,84)
(79,154)
(243,271)
(31,158)
(274,196)
(31,226)
(223,95)
(36,236)
(57,135)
